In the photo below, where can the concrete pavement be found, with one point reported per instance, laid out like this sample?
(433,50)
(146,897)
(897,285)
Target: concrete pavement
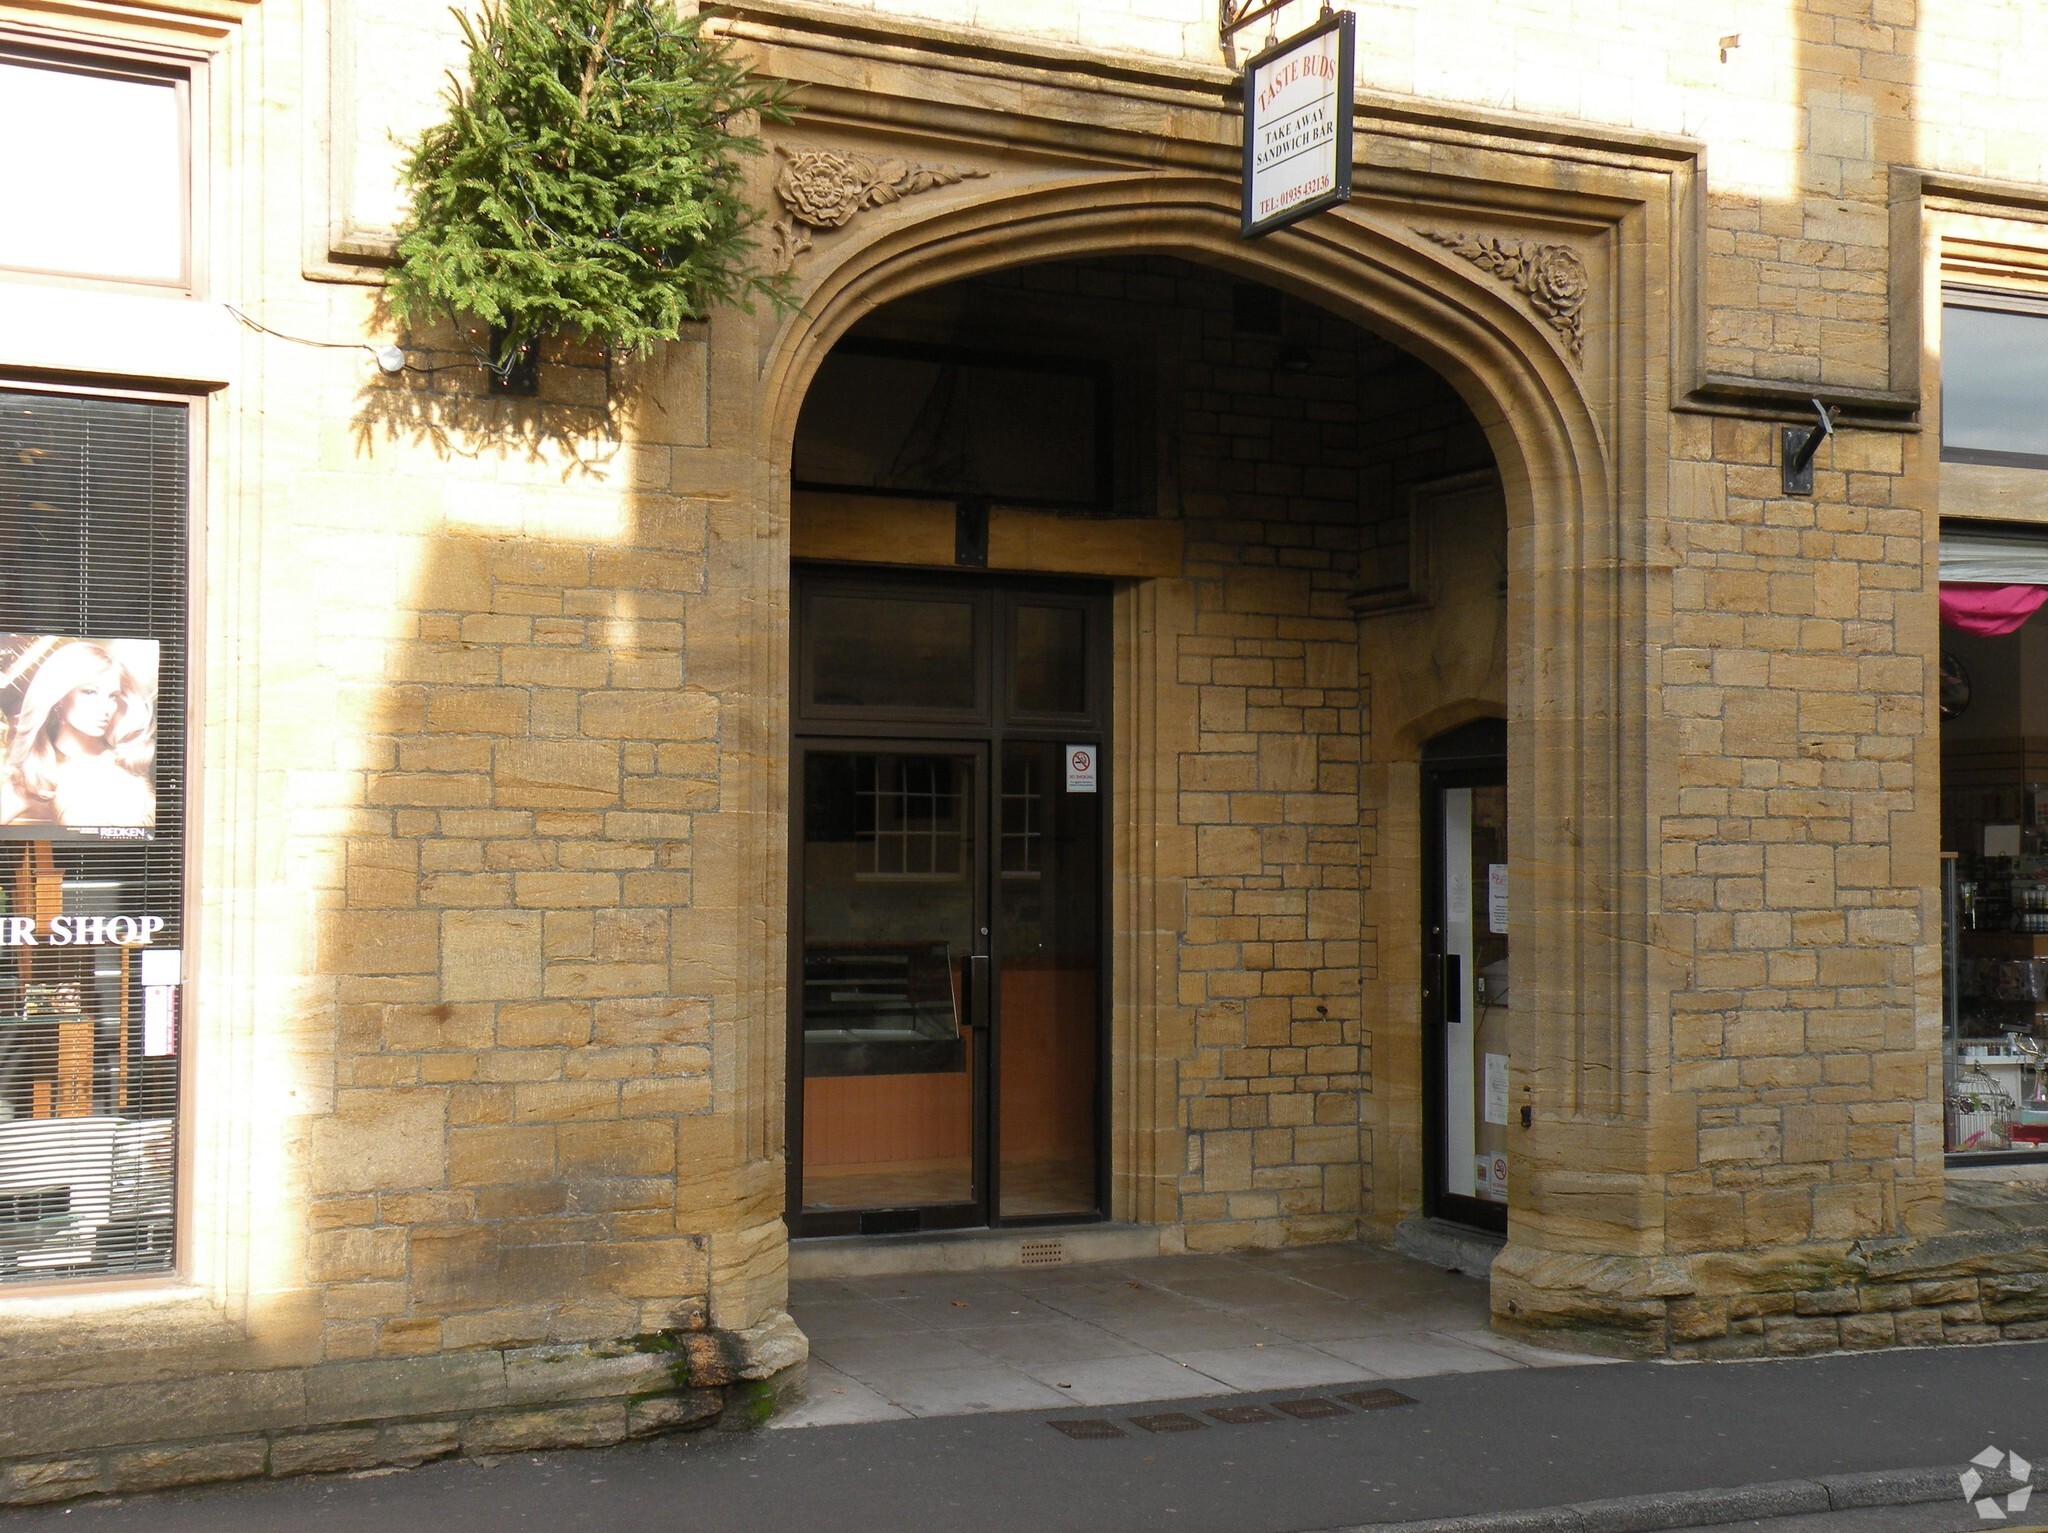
(1108,1333)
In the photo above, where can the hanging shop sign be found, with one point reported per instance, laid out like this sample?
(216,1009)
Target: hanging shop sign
(1297,126)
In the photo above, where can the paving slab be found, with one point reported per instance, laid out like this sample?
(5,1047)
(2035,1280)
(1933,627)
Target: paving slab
(1148,1329)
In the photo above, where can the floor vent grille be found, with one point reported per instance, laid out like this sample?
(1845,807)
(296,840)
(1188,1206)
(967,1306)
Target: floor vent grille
(1041,1253)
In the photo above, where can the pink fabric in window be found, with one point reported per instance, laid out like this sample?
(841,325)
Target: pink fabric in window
(1989,609)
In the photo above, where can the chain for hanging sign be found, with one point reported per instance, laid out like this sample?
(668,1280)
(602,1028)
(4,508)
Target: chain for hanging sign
(1234,16)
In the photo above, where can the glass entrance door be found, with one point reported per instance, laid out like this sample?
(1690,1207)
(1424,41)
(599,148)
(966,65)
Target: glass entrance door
(948,899)
(892,978)
(1466,995)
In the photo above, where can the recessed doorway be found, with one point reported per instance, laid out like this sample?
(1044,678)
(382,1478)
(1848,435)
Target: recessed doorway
(947,982)
(1466,996)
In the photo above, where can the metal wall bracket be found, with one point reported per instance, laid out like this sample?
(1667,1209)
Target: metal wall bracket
(1233,16)
(1798,444)
(970,533)
(520,378)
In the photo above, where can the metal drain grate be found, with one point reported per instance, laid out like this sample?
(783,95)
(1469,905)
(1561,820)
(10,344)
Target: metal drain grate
(1309,1410)
(1170,1421)
(1242,1415)
(1087,1429)
(1041,1253)
(1377,1399)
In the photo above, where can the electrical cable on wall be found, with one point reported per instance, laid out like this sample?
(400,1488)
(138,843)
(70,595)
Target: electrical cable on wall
(390,359)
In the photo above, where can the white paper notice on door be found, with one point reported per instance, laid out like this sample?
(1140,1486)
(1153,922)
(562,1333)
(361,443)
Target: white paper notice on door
(1080,769)
(1497,898)
(159,1020)
(1496,1089)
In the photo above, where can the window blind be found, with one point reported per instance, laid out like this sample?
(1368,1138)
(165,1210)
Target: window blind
(93,683)
(2018,557)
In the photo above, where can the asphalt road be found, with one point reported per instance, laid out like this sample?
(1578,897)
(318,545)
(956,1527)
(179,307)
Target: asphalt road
(1478,1442)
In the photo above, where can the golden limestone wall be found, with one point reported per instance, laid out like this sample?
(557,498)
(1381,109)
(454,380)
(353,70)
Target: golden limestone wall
(1284,474)
(484,686)
(1803,116)
(1798,1046)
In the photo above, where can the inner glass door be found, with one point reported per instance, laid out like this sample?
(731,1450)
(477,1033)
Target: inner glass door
(1467,997)
(948,896)
(1049,932)
(892,975)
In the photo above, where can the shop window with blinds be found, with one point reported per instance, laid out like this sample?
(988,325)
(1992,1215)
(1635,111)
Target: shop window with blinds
(93,670)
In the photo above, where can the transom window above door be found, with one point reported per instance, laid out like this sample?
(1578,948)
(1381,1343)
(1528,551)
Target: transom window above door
(919,651)
(894,418)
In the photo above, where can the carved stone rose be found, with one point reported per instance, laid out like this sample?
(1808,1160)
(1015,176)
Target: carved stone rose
(1553,278)
(1556,281)
(822,189)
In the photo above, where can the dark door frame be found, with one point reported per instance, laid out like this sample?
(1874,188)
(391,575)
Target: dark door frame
(989,727)
(1473,756)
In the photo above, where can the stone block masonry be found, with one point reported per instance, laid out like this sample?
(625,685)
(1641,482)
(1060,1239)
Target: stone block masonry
(1983,1279)
(85,1439)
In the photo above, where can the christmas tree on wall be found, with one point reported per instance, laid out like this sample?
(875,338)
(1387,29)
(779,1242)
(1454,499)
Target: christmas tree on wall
(586,180)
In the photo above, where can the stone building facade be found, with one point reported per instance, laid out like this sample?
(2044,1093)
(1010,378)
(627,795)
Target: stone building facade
(483,1104)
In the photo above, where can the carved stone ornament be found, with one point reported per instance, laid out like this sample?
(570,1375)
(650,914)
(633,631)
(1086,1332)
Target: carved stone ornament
(1552,277)
(823,189)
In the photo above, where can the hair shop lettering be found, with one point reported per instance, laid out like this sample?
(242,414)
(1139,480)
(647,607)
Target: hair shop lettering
(80,931)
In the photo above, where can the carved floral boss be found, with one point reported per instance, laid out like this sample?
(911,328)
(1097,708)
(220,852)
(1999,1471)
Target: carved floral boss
(1552,277)
(823,189)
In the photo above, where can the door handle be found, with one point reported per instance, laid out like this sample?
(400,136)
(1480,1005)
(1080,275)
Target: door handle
(977,990)
(1454,993)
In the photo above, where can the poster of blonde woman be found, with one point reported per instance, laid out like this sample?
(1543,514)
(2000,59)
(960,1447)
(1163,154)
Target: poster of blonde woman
(80,731)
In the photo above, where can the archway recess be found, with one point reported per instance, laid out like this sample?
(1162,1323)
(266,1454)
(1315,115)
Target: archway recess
(1588,1046)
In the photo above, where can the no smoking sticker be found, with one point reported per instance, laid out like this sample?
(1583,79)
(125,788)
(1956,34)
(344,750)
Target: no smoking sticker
(1080,769)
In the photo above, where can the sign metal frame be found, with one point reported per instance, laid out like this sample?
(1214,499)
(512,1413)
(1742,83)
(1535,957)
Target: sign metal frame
(1340,22)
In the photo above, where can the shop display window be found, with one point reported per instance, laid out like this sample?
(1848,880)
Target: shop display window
(1994,769)
(93,672)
